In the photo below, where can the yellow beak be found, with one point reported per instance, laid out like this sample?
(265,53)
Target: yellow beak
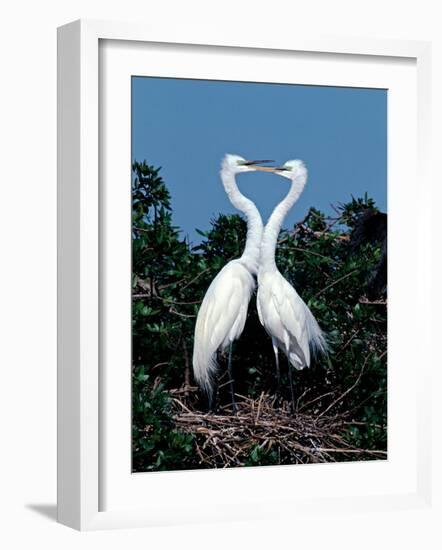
(264,168)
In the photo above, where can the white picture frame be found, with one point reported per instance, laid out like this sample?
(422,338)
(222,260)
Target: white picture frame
(80,428)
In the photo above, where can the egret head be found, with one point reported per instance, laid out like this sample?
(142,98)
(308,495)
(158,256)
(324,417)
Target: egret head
(291,169)
(237,164)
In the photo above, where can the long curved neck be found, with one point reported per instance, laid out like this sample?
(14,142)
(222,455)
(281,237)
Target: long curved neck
(273,227)
(250,256)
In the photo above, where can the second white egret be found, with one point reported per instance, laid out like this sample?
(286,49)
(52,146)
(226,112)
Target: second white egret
(285,316)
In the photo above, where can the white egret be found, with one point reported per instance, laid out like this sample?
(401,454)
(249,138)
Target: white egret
(223,311)
(286,318)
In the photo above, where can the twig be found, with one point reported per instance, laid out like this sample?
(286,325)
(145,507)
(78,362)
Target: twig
(168,300)
(364,300)
(224,440)
(259,407)
(358,451)
(306,251)
(355,423)
(173,310)
(341,397)
(352,337)
(335,283)
(186,369)
(316,399)
(159,365)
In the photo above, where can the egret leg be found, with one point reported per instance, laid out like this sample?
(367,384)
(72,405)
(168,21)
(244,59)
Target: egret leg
(232,391)
(278,373)
(212,397)
(292,393)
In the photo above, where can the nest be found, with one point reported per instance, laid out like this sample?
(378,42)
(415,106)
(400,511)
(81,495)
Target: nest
(265,431)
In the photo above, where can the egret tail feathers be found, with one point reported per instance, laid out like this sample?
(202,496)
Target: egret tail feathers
(205,366)
(317,341)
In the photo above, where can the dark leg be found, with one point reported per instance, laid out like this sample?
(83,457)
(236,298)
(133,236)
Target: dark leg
(292,393)
(232,391)
(278,373)
(212,397)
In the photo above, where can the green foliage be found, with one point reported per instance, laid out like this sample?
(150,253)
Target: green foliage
(262,457)
(156,444)
(224,241)
(170,278)
(350,211)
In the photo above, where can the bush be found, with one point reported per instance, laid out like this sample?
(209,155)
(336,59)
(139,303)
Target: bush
(170,278)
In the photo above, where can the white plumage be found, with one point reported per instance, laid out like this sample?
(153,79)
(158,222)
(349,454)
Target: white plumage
(223,312)
(221,318)
(282,312)
(287,319)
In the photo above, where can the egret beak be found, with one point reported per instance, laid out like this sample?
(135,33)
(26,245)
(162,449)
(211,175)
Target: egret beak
(253,164)
(274,169)
(265,168)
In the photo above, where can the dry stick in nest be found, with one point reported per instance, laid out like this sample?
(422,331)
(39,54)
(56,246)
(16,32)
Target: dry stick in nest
(305,405)
(224,440)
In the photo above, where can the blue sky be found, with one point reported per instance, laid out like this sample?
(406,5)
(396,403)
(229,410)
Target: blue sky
(186,127)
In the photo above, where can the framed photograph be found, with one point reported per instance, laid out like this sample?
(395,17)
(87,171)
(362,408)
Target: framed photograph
(229,217)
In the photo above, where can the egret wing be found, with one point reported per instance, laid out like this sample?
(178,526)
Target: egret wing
(258,307)
(226,305)
(221,317)
(291,311)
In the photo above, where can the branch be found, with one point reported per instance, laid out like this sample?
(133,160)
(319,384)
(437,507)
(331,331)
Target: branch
(168,300)
(365,300)
(335,283)
(347,343)
(186,369)
(172,310)
(313,254)
(341,397)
